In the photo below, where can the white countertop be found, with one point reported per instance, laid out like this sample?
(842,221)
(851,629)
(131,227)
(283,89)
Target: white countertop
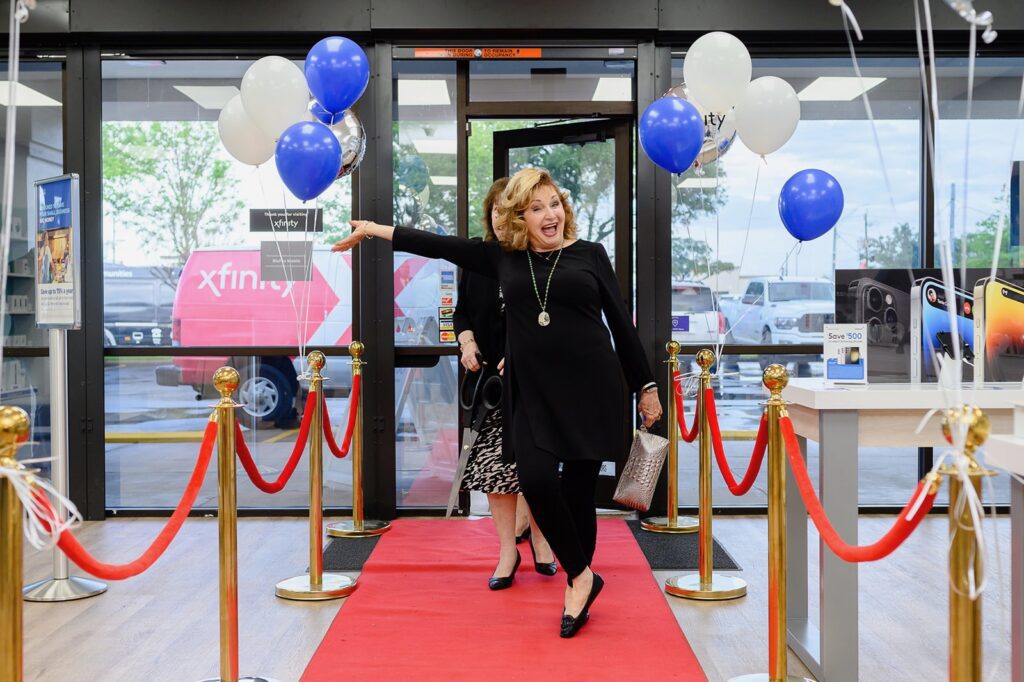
(1005,452)
(814,394)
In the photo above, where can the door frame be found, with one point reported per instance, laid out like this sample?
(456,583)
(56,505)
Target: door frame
(620,130)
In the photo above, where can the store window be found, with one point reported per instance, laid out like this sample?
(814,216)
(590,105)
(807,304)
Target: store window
(190,260)
(38,154)
(425,182)
(740,278)
(985,198)
(968,215)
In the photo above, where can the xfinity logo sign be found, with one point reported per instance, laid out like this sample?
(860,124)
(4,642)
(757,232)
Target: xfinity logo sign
(231,279)
(286,220)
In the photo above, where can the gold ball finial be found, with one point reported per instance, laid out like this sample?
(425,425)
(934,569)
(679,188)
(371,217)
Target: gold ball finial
(14,424)
(226,380)
(316,360)
(705,358)
(355,349)
(672,347)
(775,378)
(978,426)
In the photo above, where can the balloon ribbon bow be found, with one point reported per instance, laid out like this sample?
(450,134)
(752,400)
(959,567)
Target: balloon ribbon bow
(43,521)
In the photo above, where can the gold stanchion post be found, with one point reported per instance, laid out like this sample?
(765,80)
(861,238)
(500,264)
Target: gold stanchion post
(358,527)
(317,585)
(705,585)
(14,424)
(775,379)
(965,658)
(225,380)
(671,522)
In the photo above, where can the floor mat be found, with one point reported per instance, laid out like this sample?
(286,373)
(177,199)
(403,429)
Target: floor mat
(678,551)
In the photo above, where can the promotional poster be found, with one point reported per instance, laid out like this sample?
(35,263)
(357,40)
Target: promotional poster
(58,302)
(908,323)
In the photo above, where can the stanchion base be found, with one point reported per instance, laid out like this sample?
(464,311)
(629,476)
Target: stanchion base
(63,589)
(347,529)
(660,524)
(722,587)
(242,679)
(332,586)
(765,677)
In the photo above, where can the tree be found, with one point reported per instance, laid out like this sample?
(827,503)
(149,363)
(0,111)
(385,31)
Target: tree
(980,245)
(691,259)
(172,184)
(899,249)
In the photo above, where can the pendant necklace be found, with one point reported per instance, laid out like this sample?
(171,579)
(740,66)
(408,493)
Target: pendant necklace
(544,319)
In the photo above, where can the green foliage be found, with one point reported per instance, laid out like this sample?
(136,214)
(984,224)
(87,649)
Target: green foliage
(899,249)
(170,182)
(691,259)
(980,245)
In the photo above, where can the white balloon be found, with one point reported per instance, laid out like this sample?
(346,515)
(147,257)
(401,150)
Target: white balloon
(717,69)
(767,114)
(275,94)
(243,139)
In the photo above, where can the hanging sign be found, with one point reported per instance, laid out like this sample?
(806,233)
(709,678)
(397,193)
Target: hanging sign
(286,220)
(58,254)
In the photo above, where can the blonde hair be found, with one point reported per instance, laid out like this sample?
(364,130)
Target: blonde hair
(518,195)
(493,197)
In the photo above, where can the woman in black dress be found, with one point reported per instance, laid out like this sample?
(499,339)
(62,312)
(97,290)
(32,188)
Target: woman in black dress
(480,329)
(563,392)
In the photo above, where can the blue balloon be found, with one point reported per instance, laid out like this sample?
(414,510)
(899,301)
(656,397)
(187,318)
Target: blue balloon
(308,158)
(672,132)
(810,204)
(324,116)
(337,72)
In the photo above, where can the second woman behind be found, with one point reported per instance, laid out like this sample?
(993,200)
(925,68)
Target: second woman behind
(480,326)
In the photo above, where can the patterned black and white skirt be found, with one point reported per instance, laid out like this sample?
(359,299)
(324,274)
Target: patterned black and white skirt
(485,470)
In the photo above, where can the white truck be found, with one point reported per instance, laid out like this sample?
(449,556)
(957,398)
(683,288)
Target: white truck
(695,314)
(782,310)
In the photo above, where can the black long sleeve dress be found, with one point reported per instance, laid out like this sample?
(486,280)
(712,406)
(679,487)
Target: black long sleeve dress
(565,380)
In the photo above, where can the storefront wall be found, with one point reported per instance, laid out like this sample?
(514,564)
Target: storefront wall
(116,58)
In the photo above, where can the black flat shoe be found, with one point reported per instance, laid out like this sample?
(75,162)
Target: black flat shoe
(541,567)
(570,625)
(525,536)
(506,582)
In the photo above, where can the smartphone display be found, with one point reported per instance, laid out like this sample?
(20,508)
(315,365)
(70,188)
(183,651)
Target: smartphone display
(932,331)
(1002,327)
(885,309)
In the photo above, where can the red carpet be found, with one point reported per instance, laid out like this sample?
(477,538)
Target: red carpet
(423,612)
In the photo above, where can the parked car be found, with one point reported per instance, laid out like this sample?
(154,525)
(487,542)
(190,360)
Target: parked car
(782,310)
(221,301)
(137,306)
(695,314)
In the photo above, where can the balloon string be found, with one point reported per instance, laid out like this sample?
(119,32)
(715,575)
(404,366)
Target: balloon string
(848,18)
(972,48)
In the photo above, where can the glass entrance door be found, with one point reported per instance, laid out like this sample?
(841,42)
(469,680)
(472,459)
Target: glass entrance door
(592,161)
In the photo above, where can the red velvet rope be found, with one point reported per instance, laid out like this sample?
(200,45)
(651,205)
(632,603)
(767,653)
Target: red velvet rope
(691,435)
(353,405)
(245,456)
(70,545)
(756,457)
(886,545)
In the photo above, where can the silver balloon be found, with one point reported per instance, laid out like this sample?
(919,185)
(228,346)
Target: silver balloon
(719,129)
(349,132)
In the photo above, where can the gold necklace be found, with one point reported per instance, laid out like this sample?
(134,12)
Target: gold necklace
(544,319)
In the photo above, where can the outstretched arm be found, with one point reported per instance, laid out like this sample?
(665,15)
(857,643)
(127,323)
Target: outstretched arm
(471,254)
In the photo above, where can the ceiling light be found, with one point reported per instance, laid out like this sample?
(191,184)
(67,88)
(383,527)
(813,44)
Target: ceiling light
(208,96)
(613,90)
(444,180)
(431,145)
(26,96)
(837,88)
(698,183)
(423,93)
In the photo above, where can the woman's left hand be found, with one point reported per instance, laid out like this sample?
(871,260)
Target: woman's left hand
(650,407)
